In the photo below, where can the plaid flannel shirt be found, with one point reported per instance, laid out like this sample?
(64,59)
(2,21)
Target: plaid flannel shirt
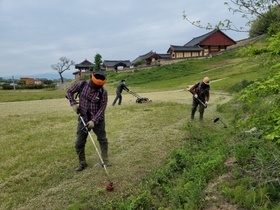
(91,105)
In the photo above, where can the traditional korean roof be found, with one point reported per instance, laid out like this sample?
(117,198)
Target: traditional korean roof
(194,44)
(184,48)
(165,55)
(84,65)
(143,57)
(197,40)
(149,55)
(112,63)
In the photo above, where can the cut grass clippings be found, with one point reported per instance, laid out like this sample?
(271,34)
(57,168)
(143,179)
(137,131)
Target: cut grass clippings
(39,157)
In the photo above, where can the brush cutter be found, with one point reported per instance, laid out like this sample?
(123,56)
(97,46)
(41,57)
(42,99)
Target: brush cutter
(109,186)
(139,99)
(217,119)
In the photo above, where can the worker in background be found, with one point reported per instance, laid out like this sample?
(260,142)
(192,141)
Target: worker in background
(120,88)
(201,96)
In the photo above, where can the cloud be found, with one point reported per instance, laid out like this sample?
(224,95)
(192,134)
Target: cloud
(35,34)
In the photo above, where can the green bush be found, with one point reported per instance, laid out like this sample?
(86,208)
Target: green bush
(7,87)
(240,86)
(138,63)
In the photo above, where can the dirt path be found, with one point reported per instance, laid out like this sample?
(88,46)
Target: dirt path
(178,96)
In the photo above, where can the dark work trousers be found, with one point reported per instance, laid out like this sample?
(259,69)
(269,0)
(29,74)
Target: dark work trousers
(118,96)
(99,130)
(195,104)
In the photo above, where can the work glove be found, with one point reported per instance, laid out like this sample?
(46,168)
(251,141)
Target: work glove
(195,95)
(206,104)
(90,125)
(75,107)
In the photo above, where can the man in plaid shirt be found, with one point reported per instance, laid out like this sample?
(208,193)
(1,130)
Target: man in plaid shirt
(92,104)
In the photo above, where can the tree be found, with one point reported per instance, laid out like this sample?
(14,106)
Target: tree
(21,82)
(268,23)
(262,97)
(47,82)
(249,9)
(139,63)
(62,66)
(97,61)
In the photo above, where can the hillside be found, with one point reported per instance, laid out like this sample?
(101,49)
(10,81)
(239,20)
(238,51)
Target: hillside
(161,159)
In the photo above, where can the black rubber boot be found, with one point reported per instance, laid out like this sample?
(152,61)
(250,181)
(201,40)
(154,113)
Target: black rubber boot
(82,160)
(192,115)
(104,154)
(201,116)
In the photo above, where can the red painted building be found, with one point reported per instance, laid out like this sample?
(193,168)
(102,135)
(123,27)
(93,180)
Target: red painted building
(204,45)
(28,81)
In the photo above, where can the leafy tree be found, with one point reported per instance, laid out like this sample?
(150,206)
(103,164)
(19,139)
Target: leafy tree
(267,23)
(91,68)
(139,63)
(266,115)
(263,97)
(97,61)
(259,26)
(249,9)
(47,82)
(62,66)
(21,82)
(7,87)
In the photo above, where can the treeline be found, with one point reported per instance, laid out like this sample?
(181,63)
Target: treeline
(31,86)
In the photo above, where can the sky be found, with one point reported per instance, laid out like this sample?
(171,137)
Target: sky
(34,34)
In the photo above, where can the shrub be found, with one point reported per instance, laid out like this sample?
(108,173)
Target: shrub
(7,87)
(139,63)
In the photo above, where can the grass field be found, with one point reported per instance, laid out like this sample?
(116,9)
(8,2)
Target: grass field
(38,132)
(38,157)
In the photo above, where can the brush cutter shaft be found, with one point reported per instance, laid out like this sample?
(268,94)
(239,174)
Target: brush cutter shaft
(85,126)
(217,119)
(201,102)
(204,104)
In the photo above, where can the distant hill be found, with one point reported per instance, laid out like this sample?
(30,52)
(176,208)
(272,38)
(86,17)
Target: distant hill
(50,76)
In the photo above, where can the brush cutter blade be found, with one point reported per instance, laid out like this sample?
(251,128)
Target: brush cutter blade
(216,120)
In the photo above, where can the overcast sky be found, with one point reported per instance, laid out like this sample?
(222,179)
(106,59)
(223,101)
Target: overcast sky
(36,33)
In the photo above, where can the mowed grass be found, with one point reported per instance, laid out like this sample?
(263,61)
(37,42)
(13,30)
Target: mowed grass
(27,95)
(38,156)
(37,135)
